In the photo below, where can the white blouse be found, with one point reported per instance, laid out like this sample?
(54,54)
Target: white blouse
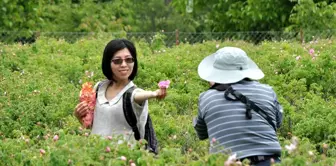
(109,119)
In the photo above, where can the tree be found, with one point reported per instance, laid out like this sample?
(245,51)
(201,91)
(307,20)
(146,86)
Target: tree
(241,15)
(308,15)
(20,16)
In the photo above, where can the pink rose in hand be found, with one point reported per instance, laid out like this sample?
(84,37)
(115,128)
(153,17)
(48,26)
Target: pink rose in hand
(164,84)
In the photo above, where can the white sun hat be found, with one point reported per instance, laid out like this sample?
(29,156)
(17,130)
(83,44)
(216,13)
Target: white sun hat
(228,65)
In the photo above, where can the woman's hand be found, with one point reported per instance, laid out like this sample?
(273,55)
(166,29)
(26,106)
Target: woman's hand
(81,110)
(161,93)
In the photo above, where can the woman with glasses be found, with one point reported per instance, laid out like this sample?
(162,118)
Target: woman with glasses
(120,66)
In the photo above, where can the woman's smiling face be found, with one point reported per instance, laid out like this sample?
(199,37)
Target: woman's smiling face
(122,64)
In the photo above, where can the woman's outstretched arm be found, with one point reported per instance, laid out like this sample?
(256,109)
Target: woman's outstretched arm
(140,97)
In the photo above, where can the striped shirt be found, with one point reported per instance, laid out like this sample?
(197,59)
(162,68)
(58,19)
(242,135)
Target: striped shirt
(229,131)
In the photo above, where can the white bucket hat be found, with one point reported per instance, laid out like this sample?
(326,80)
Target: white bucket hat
(228,65)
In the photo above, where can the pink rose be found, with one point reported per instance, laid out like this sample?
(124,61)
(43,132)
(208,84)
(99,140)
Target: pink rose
(108,149)
(123,158)
(311,51)
(55,138)
(42,151)
(164,84)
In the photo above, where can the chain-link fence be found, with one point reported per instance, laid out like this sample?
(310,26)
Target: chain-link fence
(173,38)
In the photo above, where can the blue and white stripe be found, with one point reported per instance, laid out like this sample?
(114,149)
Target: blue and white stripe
(226,121)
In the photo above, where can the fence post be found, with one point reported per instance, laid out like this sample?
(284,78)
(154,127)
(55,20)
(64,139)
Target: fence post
(177,37)
(301,36)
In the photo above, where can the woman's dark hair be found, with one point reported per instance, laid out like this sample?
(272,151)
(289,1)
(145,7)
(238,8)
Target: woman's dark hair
(111,48)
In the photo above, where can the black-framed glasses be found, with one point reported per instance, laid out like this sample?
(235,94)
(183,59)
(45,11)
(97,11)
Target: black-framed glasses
(119,61)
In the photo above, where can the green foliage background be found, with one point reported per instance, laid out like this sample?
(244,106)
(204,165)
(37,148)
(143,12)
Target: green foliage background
(167,15)
(40,83)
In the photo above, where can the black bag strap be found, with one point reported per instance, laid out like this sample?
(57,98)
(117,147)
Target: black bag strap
(150,135)
(250,105)
(99,84)
(129,113)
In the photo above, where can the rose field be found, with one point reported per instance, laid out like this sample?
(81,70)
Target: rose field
(40,84)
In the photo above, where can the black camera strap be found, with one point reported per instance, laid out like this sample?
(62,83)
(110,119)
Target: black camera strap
(250,105)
